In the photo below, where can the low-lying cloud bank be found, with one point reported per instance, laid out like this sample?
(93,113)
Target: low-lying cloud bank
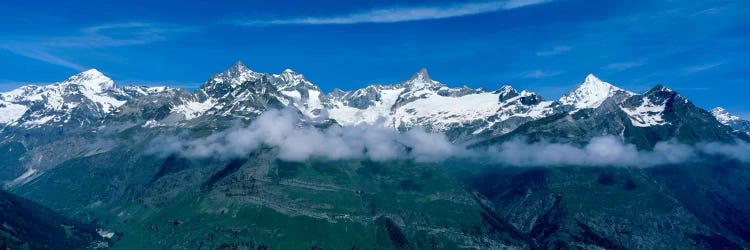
(600,151)
(297,142)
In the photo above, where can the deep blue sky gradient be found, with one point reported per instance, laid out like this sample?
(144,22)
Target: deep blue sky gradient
(699,48)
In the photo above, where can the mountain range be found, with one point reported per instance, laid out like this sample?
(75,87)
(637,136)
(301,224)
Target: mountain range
(82,147)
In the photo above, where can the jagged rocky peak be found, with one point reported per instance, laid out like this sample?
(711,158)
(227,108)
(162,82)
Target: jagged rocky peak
(661,92)
(232,78)
(337,93)
(506,92)
(238,68)
(236,75)
(591,93)
(291,80)
(530,98)
(420,80)
(91,79)
(648,109)
(660,88)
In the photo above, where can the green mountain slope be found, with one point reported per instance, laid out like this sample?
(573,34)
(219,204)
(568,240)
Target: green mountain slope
(155,202)
(26,225)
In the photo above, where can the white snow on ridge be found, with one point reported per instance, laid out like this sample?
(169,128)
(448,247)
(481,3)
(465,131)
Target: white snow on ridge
(723,116)
(39,121)
(442,111)
(591,93)
(416,102)
(11,112)
(194,109)
(144,90)
(379,112)
(105,234)
(423,102)
(733,121)
(105,102)
(295,95)
(647,114)
(314,102)
(306,105)
(89,89)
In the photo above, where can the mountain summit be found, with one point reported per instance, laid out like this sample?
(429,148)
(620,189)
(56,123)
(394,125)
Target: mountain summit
(82,99)
(420,80)
(733,121)
(91,79)
(591,93)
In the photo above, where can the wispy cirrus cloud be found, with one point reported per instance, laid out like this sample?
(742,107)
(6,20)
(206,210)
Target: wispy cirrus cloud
(398,14)
(699,68)
(557,50)
(539,74)
(100,36)
(620,66)
(42,55)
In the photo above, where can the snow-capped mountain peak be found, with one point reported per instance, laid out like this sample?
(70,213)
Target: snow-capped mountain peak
(723,116)
(591,93)
(80,99)
(420,80)
(291,80)
(506,89)
(506,92)
(91,79)
(733,121)
(236,75)
(239,67)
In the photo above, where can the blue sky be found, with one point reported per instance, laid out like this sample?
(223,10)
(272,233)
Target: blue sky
(695,47)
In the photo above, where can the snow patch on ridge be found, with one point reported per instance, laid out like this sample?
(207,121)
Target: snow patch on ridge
(11,112)
(194,109)
(723,116)
(347,115)
(647,114)
(442,111)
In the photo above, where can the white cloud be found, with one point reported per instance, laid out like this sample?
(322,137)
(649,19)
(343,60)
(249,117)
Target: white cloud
(554,51)
(42,55)
(699,68)
(600,151)
(298,142)
(118,35)
(400,14)
(622,66)
(539,74)
(739,150)
(100,36)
